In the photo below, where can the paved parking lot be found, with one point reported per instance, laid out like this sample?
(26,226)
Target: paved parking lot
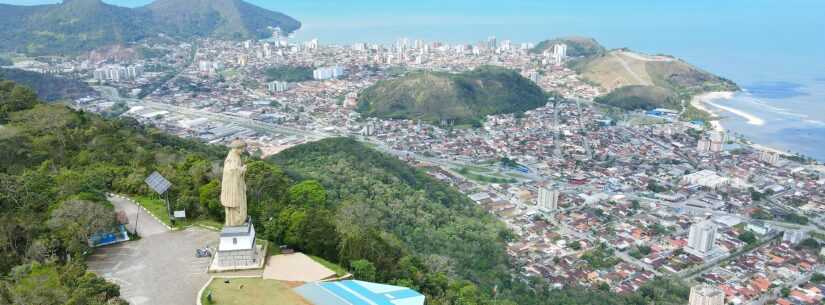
(159,269)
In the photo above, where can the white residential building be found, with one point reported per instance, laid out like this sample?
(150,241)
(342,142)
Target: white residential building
(548,199)
(706,178)
(117,73)
(794,236)
(702,239)
(559,54)
(706,295)
(325,73)
(769,157)
(277,86)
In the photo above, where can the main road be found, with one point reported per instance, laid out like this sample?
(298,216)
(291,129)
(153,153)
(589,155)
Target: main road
(112,94)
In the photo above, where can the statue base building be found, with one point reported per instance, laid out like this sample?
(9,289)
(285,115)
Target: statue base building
(237,249)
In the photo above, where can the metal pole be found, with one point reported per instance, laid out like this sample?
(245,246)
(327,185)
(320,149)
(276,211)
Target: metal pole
(169,208)
(137,218)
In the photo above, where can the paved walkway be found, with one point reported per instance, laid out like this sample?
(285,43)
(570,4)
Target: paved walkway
(146,224)
(295,267)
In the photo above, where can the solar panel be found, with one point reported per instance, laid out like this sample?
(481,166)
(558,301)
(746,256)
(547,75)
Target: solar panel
(157,183)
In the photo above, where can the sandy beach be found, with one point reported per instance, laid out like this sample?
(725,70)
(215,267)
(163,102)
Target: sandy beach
(699,103)
(711,98)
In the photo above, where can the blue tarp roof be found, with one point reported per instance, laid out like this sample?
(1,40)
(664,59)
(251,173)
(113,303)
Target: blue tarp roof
(352,292)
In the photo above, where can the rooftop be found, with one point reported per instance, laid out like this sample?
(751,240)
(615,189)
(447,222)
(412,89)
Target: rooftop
(353,292)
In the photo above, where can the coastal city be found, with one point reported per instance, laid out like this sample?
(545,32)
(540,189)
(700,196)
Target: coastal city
(593,196)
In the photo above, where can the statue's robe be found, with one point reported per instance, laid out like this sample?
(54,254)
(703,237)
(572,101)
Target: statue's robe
(233,189)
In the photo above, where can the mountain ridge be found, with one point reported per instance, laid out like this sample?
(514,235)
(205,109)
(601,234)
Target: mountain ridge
(75,26)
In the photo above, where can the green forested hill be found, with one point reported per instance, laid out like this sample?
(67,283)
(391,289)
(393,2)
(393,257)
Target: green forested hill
(464,98)
(228,19)
(576,46)
(379,197)
(74,25)
(640,97)
(82,25)
(49,87)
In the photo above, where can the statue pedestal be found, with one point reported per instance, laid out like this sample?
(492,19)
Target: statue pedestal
(237,249)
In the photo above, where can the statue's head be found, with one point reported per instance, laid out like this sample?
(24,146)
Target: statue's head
(237,145)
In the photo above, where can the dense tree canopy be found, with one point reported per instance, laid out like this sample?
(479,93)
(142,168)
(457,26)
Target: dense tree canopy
(48,210)
(49,87)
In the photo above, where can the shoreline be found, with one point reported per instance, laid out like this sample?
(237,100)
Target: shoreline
(700,101)
(709,98)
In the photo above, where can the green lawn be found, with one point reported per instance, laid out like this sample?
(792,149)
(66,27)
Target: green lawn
(158,208)
(339,271)
(250,291)
(155,206)
(208,223)
(488,177)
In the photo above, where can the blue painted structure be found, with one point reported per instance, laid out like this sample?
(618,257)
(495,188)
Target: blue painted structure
(108,238)
(353,292)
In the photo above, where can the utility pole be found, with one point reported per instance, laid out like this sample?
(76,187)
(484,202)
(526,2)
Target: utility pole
(169,208)
(137,219)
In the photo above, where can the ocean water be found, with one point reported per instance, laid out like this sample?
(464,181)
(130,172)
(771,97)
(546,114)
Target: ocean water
(773,49)
(793,114)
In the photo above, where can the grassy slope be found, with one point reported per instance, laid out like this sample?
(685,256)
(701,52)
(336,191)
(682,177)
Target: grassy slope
(255,291)
(463,98)
(636,80)
(576,46)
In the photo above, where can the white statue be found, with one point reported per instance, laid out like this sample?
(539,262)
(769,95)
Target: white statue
(233,186)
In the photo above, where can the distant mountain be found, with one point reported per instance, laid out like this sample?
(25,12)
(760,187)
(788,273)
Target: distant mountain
(49,88)
(231,19)
(82,25)
(440,97)
(74,25)
(576,46)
